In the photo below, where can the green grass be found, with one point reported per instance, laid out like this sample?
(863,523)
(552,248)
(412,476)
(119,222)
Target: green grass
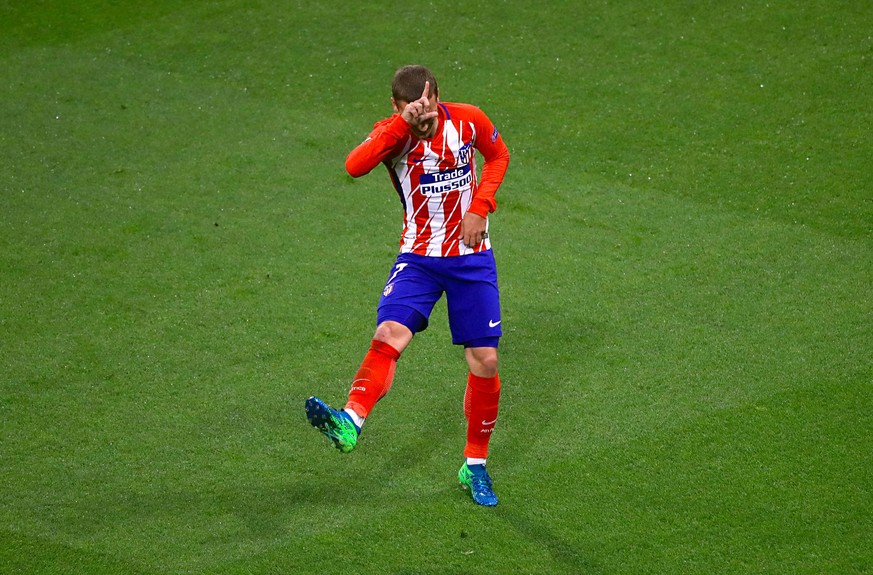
(685,242)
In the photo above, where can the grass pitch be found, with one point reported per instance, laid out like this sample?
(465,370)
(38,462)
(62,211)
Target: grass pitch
(684,242)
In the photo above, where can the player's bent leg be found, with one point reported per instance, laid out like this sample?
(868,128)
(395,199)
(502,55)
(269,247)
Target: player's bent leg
(375,376)
(372,381)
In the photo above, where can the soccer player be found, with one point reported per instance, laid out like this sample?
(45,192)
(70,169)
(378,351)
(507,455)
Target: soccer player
(429,148)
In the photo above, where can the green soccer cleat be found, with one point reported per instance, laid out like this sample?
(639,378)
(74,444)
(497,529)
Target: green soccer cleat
(477,480)
(337,426)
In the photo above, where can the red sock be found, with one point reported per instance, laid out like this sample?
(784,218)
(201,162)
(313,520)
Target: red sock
(374,378)
(480,408)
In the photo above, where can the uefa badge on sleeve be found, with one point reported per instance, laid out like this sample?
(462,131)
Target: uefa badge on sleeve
(388,289)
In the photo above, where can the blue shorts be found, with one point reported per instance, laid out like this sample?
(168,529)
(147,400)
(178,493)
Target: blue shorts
(417,282)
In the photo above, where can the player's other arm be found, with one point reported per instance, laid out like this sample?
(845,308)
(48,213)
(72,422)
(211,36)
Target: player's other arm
(490,144)
(496,154)
(385,138)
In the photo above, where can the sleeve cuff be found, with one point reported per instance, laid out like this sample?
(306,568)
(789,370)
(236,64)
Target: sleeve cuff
(482,207)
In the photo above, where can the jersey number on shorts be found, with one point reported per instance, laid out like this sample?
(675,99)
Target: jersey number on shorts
(397,269)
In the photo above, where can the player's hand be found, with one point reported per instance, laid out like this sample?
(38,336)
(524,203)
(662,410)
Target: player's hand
(473,229)
(416,113)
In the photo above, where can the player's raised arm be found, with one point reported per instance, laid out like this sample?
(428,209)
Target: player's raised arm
(496,156)
(416,117)
(380,144)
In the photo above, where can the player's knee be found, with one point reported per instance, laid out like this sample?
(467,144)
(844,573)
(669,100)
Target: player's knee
(394,334)
(482,361)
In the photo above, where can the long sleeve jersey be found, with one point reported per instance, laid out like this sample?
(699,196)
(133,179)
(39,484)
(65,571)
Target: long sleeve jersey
(436,177)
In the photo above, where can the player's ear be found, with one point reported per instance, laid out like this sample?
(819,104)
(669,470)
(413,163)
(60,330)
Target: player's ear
(397,110)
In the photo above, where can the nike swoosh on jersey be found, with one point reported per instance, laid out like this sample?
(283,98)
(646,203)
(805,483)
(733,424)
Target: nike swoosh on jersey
(493,323)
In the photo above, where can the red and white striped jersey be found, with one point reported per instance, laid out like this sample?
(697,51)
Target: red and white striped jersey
(436,177)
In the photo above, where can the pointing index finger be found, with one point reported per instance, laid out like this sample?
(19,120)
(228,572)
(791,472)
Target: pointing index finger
(426,92)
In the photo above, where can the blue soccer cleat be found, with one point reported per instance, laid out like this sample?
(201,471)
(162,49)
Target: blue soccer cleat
(475,479)
(337,426)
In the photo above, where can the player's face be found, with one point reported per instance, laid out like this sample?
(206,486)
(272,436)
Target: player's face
(426,129)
